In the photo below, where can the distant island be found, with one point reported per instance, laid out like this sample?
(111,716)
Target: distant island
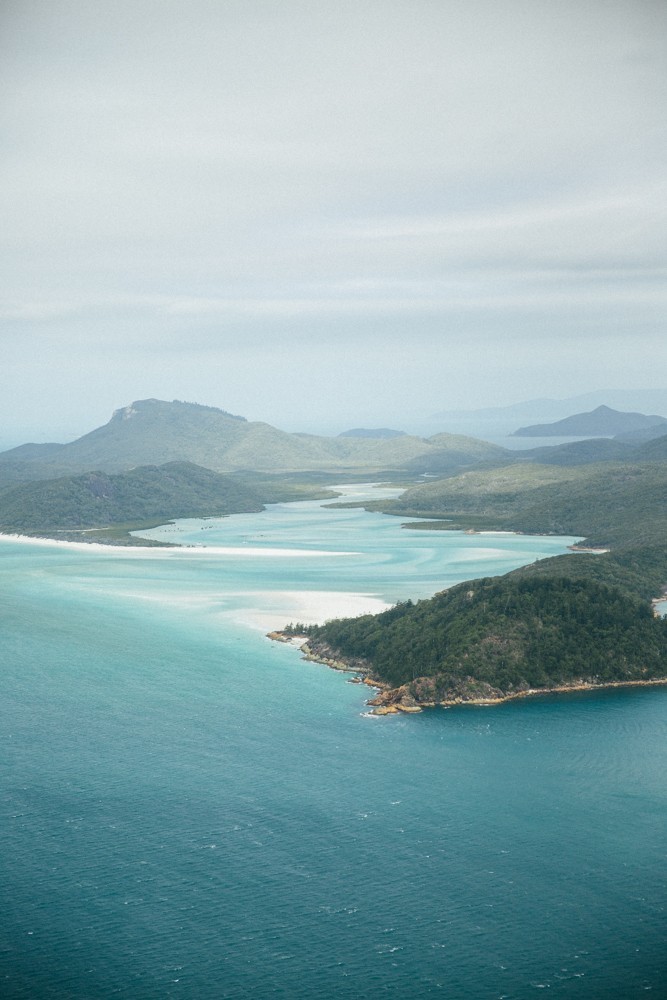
(601,422)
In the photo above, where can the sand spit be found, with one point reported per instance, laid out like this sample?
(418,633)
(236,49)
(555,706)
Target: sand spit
(240,551)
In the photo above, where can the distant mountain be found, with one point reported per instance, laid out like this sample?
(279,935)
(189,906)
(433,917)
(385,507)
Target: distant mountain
(153,432)
(555,409)
(601,422)
(452,453)
(96,499)
(378,432)
(497,421)
(546,408)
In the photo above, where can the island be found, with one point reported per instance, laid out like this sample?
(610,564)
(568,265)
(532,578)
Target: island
(601,422)
(584,620)
(491,640)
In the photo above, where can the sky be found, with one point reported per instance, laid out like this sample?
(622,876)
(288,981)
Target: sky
(327,213)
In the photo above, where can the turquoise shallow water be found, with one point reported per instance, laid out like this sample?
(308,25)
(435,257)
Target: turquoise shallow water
(190,810)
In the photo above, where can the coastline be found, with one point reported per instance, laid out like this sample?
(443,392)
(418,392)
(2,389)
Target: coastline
(47,540)
(400,700)
(385,704)
(169,548)
(419,694)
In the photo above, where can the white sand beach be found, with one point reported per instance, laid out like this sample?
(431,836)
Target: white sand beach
(237,551)
(272,609)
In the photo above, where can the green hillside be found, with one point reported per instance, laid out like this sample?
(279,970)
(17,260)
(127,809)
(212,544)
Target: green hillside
(450,453)
(654,450)
(582,452)
(145,494)
(641,446)
(578,619)
(153,432)
(609,504)
(487,639)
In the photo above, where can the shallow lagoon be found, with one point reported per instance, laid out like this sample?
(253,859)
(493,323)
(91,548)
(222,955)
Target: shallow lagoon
(311,562)
(190,810)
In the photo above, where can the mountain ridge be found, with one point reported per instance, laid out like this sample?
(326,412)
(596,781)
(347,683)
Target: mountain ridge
(153,432)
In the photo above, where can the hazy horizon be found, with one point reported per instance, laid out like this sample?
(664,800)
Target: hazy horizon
(328,215)
(493,423)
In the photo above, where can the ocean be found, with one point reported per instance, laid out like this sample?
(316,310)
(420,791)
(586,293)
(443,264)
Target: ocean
(190,810)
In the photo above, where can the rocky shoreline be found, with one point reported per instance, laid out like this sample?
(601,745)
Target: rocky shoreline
(423,693)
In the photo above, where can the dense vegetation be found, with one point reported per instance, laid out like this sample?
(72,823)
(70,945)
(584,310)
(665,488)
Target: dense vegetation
(581,618)
(149,493)
(612,504)
(512,633)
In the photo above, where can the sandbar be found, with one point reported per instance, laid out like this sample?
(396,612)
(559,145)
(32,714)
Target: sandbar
(240,551)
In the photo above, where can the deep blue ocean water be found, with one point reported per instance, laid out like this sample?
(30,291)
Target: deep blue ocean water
(190,810)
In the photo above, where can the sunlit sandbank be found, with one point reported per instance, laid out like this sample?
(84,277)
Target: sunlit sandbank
(61,543)
(251,552)
(239,551)
(267,608)
(263,610)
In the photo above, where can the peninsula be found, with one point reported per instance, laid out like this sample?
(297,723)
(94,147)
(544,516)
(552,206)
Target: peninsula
(495,639)
(577,621)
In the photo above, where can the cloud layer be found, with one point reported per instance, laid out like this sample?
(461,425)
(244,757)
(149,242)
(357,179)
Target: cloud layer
(202,200)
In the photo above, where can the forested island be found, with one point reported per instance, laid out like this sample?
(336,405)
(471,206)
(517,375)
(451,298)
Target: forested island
(580,620)
(107,507)
(497,638)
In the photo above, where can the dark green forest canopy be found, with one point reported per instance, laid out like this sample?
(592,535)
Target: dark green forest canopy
(97,499)
(513,632)
(580,618)
(113,504)
(610,504)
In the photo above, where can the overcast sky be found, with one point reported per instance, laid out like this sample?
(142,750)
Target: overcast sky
(328,214)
